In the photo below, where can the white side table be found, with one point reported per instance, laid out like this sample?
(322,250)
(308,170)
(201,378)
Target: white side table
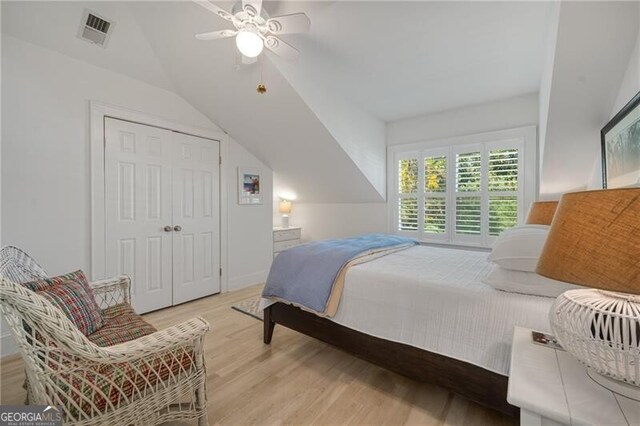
(551,388)
(285,238)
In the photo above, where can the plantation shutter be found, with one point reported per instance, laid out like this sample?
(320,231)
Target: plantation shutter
(435,194)
(468,197)
(408,178)
(503,170)
(464,194)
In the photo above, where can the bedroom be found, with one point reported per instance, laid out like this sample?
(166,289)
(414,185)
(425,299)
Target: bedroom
(335,146)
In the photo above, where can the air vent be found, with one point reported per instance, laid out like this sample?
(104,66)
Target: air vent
(95,29)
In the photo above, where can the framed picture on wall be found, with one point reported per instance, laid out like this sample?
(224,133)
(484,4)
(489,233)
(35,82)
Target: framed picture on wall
(621,147)
(249,186)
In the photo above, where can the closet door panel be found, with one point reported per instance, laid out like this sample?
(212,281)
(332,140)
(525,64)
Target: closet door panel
(138,202)
(196,239)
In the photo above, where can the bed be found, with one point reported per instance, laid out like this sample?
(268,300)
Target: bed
(422,312)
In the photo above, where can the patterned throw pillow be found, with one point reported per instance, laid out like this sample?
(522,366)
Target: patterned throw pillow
(74,296)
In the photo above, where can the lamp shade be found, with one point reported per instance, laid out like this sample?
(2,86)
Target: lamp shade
(541,212)
(594,240)
(284,207)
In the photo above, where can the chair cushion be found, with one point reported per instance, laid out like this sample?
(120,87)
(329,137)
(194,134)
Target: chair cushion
(73,295)
(121,324)
(114,385)
(119,383)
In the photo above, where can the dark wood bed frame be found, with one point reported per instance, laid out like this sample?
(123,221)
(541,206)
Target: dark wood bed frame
(475,383)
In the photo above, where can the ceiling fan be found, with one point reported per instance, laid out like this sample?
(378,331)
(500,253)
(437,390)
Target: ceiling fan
(254,30)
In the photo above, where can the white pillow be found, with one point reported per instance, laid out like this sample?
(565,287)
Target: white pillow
(519,248)
(526,283)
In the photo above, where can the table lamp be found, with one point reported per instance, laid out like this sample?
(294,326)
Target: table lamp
(541,212)
(285,209)
(594,241)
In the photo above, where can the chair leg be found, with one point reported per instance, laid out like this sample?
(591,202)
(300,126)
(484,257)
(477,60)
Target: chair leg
(201,402)
(203,421)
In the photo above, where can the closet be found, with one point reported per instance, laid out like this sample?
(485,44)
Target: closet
(162,213)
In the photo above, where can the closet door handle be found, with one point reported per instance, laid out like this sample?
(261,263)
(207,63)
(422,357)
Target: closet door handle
(167,228)
(177,228)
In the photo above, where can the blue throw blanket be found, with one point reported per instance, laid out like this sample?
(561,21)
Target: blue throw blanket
(305,275)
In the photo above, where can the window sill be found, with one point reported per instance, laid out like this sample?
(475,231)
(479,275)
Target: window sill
(459,246)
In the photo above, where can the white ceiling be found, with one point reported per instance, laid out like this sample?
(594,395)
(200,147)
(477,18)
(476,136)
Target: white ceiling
(402,59)
(390,59)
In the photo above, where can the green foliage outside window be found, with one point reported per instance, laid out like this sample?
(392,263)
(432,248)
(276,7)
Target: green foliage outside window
(408,176)
(502,176)
(435,208)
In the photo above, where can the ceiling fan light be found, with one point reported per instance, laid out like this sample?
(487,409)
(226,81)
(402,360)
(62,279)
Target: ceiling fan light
(249,43)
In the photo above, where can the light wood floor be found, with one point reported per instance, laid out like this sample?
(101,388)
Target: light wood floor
(295,380)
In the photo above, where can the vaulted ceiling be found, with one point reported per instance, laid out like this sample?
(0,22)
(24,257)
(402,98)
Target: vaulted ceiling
(397,60)
(321,126)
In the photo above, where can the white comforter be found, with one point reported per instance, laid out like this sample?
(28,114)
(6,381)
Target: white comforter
(433,298)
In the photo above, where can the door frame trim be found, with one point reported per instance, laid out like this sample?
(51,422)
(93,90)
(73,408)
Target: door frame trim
(98,111)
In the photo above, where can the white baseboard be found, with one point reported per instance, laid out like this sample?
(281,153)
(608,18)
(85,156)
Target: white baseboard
(7,345)
(236,283)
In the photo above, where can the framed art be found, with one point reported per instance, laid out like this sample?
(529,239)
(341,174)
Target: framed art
(249,190)
(620,140)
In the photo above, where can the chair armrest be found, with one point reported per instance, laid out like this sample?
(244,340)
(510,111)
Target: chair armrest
(186,334)
(112,291)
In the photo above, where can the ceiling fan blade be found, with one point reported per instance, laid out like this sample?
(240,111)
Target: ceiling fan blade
(214,35)
(287,24)
(252,7)
(280,48)
(216,9)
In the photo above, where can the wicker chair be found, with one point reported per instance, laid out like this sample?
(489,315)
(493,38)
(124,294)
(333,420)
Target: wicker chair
(18,266)
(149,380)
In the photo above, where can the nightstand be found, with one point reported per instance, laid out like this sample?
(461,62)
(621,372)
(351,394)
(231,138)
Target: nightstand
(285,238)
(552,388)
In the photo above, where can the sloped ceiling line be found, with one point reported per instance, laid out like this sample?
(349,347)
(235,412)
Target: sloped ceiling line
(279,127)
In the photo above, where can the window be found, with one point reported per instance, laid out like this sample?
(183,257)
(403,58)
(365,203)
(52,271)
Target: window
(464,193)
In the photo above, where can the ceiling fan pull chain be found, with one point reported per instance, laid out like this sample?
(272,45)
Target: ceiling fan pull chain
(262,89)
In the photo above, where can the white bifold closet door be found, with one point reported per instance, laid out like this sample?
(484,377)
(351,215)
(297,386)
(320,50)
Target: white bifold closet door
(162,213)
(196,207)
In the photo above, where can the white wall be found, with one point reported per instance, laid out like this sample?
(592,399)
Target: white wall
(498,115)
(45,160)
(325,221)
(250,239)
(361,135)
(594,43)
(629,87)
(546,79)
(320,221)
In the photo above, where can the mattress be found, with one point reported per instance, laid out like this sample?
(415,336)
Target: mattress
(433,298)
